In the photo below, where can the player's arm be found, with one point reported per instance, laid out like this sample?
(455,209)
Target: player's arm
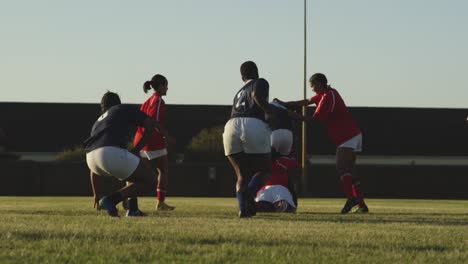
(260,96)
(155,114)
(149,125)
(293,104)
(323,110)
(261,101)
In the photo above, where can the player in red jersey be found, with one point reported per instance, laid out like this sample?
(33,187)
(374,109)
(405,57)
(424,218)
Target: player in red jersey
(344,132)
(278,194)
(155,151)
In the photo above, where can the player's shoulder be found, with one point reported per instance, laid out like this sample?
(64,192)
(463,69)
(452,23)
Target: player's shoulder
(261,82)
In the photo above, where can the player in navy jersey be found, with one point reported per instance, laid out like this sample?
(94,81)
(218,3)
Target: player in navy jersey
(107,154)
(282,128)
(246,137)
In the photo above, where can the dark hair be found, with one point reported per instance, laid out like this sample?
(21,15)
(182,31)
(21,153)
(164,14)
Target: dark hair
(249,70)
(108,100)
(319,78)
(157,80)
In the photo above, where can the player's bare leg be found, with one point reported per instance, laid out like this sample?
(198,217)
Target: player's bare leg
(345,161)
(162,168)
(140,182)
(239,164)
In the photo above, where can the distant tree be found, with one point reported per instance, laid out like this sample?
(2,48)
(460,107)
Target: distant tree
(206,146)
(77,153)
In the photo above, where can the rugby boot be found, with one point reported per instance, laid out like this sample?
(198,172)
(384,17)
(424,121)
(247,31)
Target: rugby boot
(162,206)
(349,205)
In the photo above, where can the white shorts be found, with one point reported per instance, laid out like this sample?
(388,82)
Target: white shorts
(153,154)
(112,161)
(275,193)
(282,140)
(246,134)
(354,143)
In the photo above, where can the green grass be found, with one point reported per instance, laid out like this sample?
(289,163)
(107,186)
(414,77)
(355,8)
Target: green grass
(68,230)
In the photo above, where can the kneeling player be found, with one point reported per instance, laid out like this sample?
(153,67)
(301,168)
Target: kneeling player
(107,154)
(278,194)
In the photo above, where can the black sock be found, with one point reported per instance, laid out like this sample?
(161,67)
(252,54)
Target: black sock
(133,204)
(116,198)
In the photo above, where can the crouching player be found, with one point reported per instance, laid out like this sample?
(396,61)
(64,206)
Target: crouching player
(344,132)
(107,154)
(278,194)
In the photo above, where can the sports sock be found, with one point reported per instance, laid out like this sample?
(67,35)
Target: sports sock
(133,204)
(357,192)
(161,195)
(347,185)
(116,198)
(255,184)
(241,200)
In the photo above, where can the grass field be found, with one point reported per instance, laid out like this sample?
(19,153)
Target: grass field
(68,230)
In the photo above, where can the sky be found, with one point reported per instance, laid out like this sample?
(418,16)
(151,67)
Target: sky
(398,53)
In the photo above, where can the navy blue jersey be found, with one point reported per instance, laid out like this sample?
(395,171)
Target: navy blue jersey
(282,118)
(114,127)
(244,104)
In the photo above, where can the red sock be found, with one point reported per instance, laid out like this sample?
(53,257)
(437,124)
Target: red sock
(358,194)
(347,185)
(161,195)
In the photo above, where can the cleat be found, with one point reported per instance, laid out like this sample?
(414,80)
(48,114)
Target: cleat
(244,214)
(251,205)
(361,210)
(349,205)
(136,213)
(107,205)
(162,206)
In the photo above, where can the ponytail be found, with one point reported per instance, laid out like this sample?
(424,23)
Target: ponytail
(157,80)
(147,86)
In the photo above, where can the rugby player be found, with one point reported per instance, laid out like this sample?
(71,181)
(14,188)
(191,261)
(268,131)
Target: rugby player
(154,152)
(107,154)
(345,134)
(246,137)
(278,194)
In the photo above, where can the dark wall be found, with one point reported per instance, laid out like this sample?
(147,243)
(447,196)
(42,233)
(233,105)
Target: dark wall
(218,180)
(51,127)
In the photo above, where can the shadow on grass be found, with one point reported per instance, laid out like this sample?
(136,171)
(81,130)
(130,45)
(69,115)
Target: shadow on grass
(438,219)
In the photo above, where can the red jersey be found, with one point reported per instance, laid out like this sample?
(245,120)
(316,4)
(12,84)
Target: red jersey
(279,171)
(332,112)
(155,108)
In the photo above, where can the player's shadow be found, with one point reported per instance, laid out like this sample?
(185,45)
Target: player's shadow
(376,218)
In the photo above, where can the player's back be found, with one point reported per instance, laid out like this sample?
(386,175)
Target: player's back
(279,171)
(155,108)
(333,113)
(244,104)
(113,127)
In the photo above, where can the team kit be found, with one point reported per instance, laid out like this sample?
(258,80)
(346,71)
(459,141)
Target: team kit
(257,140)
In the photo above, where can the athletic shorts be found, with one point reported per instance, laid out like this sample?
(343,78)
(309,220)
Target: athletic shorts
(282,140)
(246,134)
(354,143)
(112,161)
(275,193)
(153,154)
